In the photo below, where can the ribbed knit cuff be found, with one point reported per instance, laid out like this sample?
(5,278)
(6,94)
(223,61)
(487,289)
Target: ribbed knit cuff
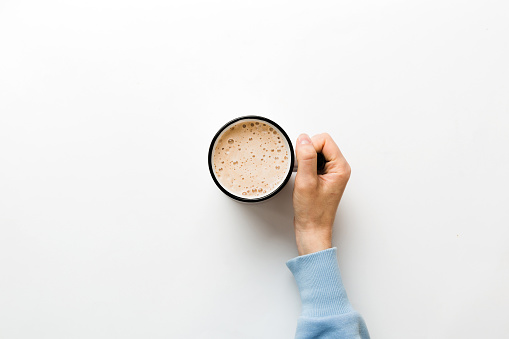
(321,290)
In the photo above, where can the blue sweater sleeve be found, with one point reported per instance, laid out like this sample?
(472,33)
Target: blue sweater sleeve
(326,311)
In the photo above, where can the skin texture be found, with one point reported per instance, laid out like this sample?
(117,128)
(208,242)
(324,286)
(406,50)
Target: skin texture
(316,196)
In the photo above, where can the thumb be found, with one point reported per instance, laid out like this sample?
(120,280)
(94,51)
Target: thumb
(306,159)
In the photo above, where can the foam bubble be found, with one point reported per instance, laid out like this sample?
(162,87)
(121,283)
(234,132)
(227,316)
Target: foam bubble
(230,141)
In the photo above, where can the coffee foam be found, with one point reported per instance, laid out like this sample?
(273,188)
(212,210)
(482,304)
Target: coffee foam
(251,158)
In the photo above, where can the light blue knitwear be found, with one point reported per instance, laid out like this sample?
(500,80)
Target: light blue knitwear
(326,311)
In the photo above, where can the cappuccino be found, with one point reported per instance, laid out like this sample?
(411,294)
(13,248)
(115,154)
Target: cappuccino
(251,158)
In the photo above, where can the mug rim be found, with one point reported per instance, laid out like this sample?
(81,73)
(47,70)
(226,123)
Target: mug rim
(283,183)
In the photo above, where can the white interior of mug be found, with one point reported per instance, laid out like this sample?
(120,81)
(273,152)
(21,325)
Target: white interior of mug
(231,155)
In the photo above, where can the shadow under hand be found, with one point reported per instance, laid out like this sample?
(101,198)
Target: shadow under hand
(275,216)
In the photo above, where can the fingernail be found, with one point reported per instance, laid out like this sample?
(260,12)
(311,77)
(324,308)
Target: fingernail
(304,139)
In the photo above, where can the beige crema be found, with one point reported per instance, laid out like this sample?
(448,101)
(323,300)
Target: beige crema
(251,158)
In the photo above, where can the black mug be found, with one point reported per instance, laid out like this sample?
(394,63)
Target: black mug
(290,169)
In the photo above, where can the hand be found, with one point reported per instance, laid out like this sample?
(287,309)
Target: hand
(316,196)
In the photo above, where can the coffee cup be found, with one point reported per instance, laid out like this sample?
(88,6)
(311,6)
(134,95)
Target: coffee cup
(251,159)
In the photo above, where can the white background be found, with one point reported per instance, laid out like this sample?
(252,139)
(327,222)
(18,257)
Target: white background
(111,227)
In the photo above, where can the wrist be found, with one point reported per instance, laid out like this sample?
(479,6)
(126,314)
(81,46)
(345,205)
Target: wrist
(313,241)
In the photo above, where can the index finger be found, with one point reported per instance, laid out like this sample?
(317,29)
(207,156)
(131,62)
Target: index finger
(324,144)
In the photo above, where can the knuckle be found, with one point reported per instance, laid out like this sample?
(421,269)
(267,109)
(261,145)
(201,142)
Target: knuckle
(307,153)
(348,171)
(344,176)
(344,169)
(326,135)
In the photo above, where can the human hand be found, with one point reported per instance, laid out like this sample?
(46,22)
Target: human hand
(316,196)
